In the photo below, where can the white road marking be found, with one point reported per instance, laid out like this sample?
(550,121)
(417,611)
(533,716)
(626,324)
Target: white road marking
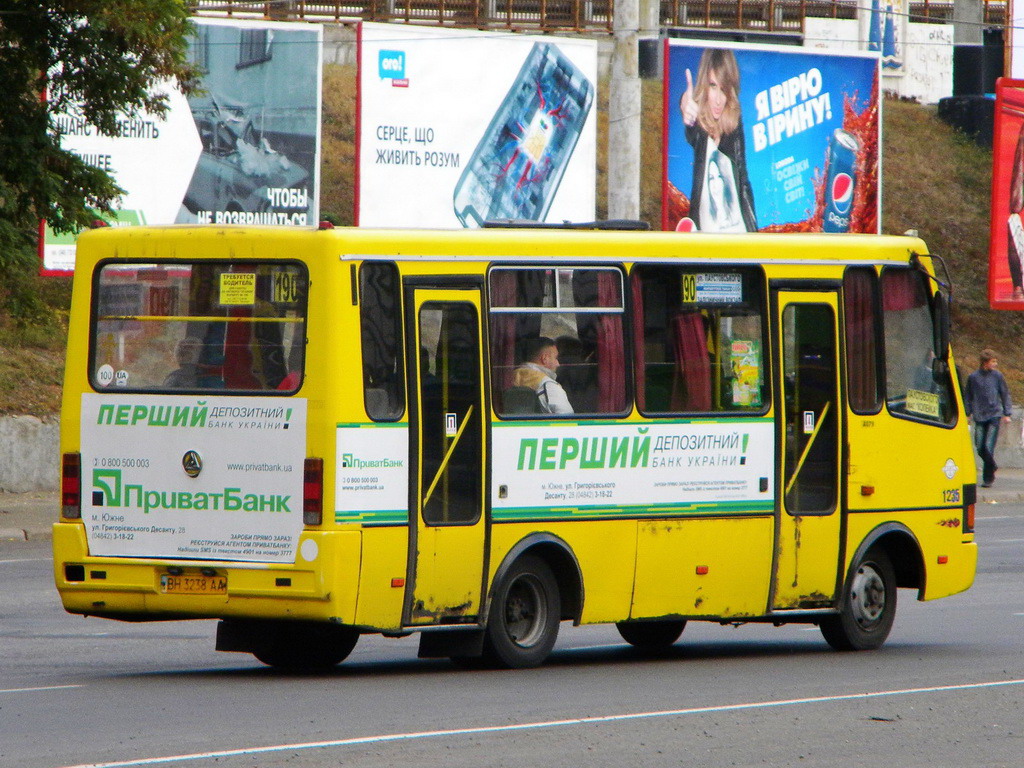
(25,560)
(476,731)
(41,688)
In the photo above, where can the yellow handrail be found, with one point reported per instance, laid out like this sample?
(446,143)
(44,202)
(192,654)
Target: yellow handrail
(447,456)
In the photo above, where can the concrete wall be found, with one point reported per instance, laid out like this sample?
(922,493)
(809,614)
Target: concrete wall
(29,454)
(1009,448)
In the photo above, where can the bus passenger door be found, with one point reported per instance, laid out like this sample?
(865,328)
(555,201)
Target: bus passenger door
(807,548)
(447,456)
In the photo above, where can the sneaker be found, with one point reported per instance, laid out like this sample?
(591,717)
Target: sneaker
(986,483)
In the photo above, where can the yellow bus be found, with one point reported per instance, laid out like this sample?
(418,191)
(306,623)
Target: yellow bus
(475,435)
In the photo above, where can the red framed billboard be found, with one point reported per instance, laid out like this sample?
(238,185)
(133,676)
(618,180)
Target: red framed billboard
(1006,227)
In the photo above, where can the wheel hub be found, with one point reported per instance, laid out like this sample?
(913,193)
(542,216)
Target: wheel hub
(524,612)
(867,596)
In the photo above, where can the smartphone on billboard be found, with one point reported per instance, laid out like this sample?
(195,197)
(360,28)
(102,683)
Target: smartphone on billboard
(516,168)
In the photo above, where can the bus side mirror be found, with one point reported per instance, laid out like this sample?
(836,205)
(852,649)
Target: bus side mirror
(940,325)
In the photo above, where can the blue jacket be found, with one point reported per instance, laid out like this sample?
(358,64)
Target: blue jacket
(987,397)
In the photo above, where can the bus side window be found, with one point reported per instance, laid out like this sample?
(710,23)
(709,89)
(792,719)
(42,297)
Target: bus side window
(580,309)
(380,328)
(914,387)
(698,339)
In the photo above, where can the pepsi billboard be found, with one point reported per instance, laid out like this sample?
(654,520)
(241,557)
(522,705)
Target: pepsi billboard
(1006,234)
(770,139)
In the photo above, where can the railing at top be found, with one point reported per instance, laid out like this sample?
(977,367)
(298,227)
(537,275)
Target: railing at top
(576,15)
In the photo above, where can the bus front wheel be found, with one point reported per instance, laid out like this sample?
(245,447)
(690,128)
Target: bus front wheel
(525,611)
(868,606)
(651,635)
(299,647)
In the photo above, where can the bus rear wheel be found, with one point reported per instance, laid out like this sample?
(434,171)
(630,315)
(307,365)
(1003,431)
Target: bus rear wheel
(302,647)
(651,635)
(525,612)
(868,606)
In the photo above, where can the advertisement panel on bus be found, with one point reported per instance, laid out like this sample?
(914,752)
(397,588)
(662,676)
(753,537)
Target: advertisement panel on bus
(770,138)
(460,127)
(192,478)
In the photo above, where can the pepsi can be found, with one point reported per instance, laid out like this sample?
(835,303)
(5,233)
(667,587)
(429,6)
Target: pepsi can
(842,178)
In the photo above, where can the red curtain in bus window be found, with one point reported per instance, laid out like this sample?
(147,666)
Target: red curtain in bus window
(503,329)
(694,369)
(902,289)
(639,367)
(238,351)
(611,358)
(861,339)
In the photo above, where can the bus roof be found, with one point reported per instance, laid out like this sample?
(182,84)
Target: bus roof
(498,243)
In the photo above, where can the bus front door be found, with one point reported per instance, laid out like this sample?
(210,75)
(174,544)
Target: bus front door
(447,431)
(809,529)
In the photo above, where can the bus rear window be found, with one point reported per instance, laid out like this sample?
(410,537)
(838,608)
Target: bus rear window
(181,327)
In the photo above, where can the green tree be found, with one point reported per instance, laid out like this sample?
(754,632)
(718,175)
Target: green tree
(101,57)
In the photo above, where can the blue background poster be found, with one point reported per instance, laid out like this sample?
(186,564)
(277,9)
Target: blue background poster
(791,103)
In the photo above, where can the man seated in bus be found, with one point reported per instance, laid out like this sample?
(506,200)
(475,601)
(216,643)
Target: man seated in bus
(538,373)
(186,375)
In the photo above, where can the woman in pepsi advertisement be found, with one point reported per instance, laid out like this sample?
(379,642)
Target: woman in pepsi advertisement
(721,199)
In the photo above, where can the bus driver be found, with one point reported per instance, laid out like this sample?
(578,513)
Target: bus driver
(538,373)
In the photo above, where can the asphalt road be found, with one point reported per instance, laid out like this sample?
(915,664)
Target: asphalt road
(947,689)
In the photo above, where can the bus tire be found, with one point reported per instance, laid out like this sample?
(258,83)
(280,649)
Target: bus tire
(300,647)
(651,634)
(867,608)
(525,611)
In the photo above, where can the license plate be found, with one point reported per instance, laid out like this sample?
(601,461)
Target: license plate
(193,584)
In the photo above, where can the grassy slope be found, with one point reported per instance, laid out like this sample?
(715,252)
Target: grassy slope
(939,183)
(934,181)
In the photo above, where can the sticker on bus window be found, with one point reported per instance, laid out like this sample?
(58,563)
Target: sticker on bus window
(287,287)
(745,360)
(712,288)
(105,375)
(808,422)
(238,288)
(924,403)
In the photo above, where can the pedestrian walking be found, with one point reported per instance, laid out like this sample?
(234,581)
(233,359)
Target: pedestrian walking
(987,400)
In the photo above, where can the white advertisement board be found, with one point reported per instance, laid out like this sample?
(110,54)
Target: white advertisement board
(244,149)
(457,127)
(666,468)
(211,478)
(372,476)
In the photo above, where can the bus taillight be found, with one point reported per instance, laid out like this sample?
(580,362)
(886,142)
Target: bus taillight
(313,492)
(970,498)
(71,486)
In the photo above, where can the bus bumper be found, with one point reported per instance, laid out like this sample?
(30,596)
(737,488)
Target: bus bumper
(133,589)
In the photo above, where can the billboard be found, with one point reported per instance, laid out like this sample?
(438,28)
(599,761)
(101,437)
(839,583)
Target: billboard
(245,149)
(770,139)
(925,73)
(456,127)
(1006,234)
